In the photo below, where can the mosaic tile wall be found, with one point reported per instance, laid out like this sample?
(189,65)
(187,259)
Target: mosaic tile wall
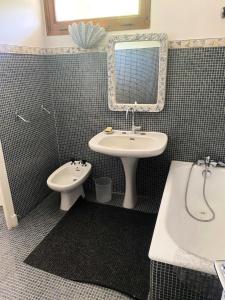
(170,282)
(30,149)
(137,75)
(193,116)
(76,85)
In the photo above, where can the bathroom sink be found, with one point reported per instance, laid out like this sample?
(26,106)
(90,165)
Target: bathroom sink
(129,147)
(127,144)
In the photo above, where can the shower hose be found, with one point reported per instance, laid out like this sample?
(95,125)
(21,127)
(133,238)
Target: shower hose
(204,174)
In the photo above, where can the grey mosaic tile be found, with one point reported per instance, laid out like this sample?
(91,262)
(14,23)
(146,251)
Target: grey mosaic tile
(75,87)
(30,149)
(20,281)
(170,282)
(193,116)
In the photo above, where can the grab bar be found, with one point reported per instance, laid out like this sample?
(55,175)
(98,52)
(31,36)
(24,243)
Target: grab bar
(45,109)
(22,118)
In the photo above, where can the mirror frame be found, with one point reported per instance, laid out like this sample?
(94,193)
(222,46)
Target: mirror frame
(163,51)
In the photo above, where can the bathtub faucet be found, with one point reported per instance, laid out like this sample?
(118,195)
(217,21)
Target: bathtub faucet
(210,162)
(221,164)
(206,161)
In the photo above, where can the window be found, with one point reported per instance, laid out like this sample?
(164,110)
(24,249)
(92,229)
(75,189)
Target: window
(111,14)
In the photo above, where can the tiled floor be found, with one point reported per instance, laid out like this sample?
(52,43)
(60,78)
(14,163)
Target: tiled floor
(20,281)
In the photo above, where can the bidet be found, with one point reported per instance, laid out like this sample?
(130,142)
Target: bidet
(68,180)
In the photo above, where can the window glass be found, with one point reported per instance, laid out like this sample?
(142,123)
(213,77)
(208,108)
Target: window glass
(66,10)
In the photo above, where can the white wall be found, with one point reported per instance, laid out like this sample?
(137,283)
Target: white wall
(188,19)
(22,21)
(180,19)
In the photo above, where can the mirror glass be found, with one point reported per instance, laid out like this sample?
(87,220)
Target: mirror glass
(137,71)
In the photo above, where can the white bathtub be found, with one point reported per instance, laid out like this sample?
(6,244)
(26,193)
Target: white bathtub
(178,238)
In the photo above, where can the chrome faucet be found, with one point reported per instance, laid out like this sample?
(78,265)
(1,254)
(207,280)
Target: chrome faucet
(221,164)
(134,128)
(210,162)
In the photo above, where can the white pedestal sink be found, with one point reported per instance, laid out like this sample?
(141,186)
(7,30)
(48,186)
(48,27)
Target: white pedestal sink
(129,147)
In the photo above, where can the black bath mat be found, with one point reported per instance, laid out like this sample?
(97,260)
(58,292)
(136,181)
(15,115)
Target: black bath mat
(99,244)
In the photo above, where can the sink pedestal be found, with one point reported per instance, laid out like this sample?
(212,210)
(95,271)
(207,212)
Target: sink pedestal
(129,147)
(130,168)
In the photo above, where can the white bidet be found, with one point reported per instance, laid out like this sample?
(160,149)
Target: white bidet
(68,180)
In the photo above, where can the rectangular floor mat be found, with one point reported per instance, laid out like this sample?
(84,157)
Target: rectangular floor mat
(99,244)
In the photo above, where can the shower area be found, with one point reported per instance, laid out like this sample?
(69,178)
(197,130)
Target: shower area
(29,151)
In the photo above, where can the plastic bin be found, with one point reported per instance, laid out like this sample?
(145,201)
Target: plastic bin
(103,187)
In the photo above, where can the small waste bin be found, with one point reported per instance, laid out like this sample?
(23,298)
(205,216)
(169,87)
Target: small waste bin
(103,187)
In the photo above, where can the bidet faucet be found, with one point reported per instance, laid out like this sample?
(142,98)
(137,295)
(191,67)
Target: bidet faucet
(134,128)
(73,161)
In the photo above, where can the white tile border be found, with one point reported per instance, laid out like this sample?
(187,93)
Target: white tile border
(198,43)
(182,44)
(46,51)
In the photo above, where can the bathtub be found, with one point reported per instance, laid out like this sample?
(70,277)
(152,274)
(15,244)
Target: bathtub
(179,239)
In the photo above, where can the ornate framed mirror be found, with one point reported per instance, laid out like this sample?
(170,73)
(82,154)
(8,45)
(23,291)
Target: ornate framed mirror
(137,65)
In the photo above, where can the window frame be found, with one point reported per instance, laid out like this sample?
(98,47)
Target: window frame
(140,21)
